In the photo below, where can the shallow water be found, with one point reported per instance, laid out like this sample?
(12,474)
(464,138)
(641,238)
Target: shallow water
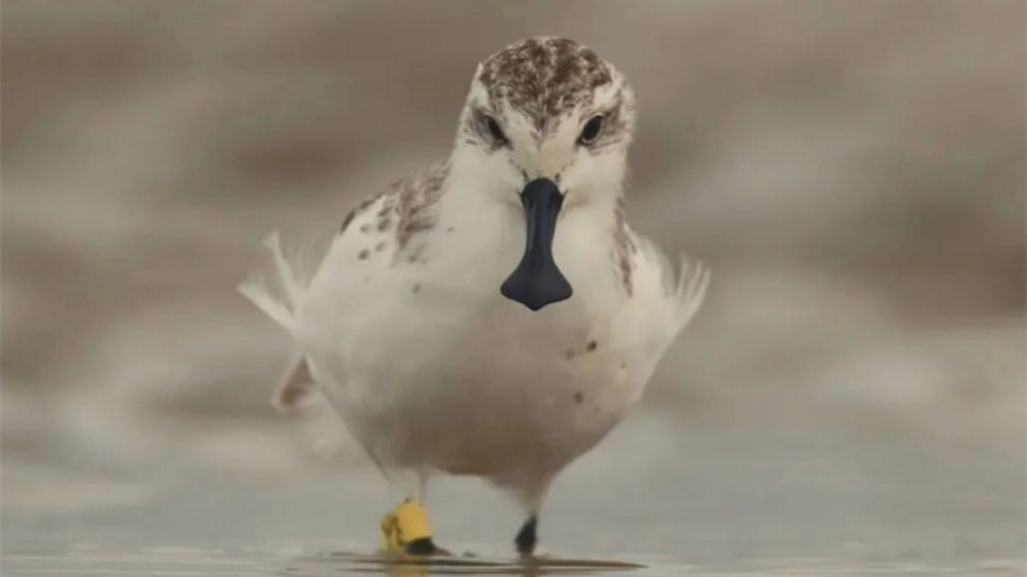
(745,505)
(220,564)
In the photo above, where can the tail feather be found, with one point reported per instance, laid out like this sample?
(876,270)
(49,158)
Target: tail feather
(276,294)
(295,385)
(690,292)
(685,286)
(278,291)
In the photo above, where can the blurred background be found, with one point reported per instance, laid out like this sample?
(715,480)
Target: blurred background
(854,173)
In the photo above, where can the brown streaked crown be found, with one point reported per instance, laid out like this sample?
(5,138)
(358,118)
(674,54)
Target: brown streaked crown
(544,77)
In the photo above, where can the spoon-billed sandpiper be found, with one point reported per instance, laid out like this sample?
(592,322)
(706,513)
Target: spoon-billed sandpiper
(494,315)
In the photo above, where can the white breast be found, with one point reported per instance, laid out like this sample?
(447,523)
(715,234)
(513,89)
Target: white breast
(431,367)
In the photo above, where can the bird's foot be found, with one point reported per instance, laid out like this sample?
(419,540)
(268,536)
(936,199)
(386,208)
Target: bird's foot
(406,530)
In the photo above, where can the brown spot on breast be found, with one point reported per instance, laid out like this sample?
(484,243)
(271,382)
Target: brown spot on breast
(591,346)
(364,254)
(380,246)
(569,354)
(417,287)
(579,397)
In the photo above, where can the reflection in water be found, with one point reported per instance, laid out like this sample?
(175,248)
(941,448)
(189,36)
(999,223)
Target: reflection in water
(405,566)
(195,563)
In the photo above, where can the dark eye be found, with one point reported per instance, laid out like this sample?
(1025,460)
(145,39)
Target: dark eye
(592,129)
(495,130)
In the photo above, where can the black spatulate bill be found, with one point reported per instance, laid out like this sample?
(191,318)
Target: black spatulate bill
(537,282)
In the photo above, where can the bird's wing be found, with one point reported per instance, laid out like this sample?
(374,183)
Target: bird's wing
(663,301)
(378,232)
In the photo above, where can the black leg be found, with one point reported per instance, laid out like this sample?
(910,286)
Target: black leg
(527,537)
(423,546)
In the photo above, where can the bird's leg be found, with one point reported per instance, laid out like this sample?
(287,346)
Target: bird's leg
(406,530)
(527,537)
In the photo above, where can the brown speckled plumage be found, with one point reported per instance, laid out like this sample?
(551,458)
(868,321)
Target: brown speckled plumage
(416,202)
(359,209)
(625,246)
(544,78)
(405,207)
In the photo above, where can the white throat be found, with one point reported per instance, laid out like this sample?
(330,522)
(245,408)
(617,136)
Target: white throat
(482,227)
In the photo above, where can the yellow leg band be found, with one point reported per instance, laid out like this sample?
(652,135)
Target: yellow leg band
(407,522)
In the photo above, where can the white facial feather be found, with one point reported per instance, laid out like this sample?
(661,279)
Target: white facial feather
(541,110)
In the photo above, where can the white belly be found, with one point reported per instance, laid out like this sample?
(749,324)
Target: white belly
(432,369)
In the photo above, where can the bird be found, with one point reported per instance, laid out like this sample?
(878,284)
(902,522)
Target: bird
(494,315)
